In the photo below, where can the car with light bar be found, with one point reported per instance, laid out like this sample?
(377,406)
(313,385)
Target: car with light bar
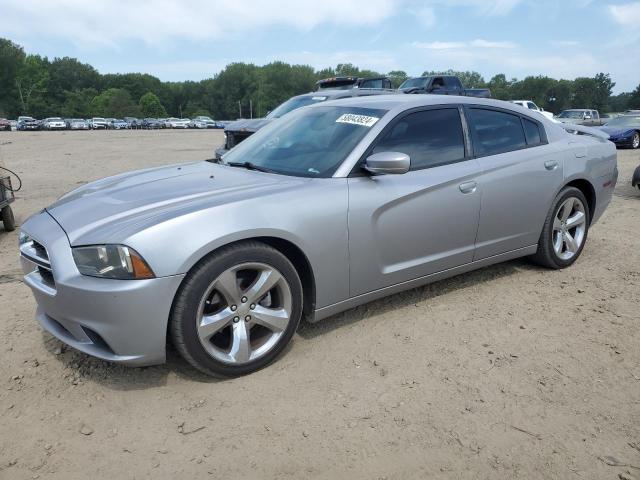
(331,206)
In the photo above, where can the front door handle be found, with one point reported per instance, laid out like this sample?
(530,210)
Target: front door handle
(468,187)
(551,165)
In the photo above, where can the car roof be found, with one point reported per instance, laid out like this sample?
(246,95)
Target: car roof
(405,101)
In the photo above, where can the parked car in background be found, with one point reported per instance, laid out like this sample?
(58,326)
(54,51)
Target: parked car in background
(532,106)
(54,123)
(202,122)
(345,83)
(624,130)
(133,122)
(151,124)
(5,124)
(240,130)
(441,85)
(98,123)
(373,196)
(28,123)
(178,123)
(118,124)
(78,124)
(581,116)
(14,124)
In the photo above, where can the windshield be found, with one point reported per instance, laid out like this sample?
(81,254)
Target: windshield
(294,103)
(571,114)
(623,121)
(414,83)
(310,142)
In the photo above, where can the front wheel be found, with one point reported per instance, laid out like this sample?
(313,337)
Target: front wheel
(237,310)
(565,230)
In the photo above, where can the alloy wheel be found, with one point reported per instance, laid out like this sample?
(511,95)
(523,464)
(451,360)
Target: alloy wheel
(569,227)
(243,313)
(636,140)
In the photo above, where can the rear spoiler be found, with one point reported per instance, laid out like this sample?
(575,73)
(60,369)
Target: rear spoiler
(582,130)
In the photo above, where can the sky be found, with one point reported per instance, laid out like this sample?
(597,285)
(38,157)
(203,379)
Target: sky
(194,39)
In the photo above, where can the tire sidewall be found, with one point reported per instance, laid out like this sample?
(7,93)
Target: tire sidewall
(185,309)
(8,219)
(562,196)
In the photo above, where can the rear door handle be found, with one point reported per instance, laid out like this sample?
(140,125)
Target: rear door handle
(551,165)
(468,187)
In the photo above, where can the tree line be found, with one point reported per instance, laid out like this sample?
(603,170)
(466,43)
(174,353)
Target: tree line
(34,85)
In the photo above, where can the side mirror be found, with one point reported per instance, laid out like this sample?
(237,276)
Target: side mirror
(387,163)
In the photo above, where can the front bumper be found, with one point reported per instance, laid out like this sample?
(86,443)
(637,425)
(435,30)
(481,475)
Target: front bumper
(117,320)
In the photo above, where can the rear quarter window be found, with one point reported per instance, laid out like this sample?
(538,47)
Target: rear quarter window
(532,132)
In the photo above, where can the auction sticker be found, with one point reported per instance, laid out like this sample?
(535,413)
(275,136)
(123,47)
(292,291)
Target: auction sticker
(363,120)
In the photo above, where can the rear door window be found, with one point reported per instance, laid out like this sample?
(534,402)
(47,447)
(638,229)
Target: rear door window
(495,131)
(430,138)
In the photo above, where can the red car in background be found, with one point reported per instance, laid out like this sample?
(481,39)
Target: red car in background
(5,124)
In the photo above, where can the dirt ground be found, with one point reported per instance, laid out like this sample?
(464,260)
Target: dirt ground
(508,372)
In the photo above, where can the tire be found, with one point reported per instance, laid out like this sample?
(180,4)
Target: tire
(8,220)
(224,290)
(556,231)
(635,141)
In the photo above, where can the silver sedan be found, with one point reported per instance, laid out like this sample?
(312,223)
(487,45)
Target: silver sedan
(328,207)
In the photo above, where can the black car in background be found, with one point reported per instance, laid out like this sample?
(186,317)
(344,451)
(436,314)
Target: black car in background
(152,124)
(28,123)
(134,123)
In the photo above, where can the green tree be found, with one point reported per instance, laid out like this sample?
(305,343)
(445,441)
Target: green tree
(150,106)
(500,87)
(11,60)
(32,80)
(603,88)
(397,77)
(634,99)
(77,103)
(584,93)
(114,103)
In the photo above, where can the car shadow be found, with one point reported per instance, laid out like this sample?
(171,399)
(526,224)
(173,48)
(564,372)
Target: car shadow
(82,368)
(433,290)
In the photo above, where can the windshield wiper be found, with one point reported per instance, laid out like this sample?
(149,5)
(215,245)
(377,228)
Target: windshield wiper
(250,166)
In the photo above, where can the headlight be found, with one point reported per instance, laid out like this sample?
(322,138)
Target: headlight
(23,238)
(111,261)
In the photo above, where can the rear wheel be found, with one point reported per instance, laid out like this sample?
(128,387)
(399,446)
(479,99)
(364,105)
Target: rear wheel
(635,141)
(565,230)
(8,220)
(237,310)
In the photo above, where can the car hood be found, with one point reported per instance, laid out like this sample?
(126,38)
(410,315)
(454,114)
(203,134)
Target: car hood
(616,131)
(111,209)
(250,125)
